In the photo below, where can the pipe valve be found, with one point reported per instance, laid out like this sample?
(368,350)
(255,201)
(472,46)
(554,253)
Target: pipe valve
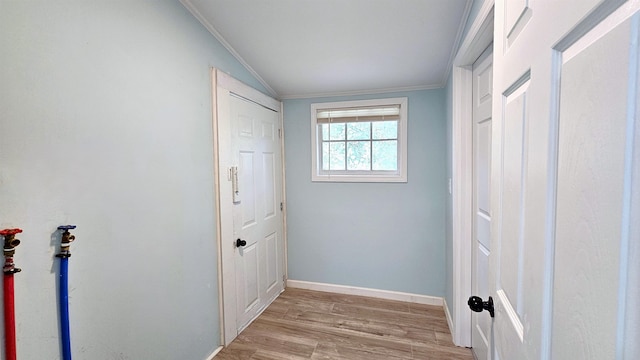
(66,241)
(10,243)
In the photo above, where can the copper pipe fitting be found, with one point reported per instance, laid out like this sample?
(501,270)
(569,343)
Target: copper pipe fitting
(66,241)
(10,243)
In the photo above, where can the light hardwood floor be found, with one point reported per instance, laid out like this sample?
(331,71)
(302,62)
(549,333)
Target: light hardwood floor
(304,324)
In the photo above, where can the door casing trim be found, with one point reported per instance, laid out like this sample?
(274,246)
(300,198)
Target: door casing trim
(477,40)
(223,201)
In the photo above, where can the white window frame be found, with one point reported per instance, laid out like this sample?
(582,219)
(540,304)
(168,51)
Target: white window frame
(400,175)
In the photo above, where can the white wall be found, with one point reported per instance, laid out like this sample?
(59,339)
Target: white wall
(105,122)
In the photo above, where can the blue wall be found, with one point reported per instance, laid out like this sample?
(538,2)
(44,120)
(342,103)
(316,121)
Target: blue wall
(388,236)
(105,116)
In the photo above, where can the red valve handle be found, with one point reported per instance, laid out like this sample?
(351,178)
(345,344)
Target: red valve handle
(6,232)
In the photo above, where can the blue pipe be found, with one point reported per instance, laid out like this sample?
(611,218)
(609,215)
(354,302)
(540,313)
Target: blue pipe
(65,335)
(64,309)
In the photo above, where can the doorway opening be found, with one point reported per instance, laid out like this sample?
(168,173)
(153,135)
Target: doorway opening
(479,37)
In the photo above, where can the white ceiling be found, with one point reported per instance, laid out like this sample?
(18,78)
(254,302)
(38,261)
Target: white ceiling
(309,48)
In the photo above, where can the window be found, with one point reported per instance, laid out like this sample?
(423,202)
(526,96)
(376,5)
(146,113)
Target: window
(359,141)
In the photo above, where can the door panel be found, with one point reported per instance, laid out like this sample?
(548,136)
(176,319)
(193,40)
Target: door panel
(515,10)
(272,260)
(269,185)
(563,137)
(247,148)
(246,168)
(517,15)
(591,174)
(482,96)
(249,285)
(514,165)
(257,218)
(483,183)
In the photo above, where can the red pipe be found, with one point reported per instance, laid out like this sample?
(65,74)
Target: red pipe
(10,243)
(9,318)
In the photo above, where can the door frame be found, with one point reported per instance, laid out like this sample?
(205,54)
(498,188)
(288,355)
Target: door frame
(223,193)
(478,38)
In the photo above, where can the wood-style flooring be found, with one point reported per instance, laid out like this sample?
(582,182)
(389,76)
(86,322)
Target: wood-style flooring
(304,324)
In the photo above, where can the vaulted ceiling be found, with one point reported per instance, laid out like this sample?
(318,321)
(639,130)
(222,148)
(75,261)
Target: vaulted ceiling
(309,48)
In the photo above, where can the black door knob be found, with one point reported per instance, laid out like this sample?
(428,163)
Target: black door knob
(240,242)
(476,304)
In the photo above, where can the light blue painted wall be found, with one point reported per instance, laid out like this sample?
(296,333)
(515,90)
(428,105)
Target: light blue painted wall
(375,235)
(105,122)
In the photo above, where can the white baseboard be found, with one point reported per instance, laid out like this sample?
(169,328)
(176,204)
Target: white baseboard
(214,353)
(375,293)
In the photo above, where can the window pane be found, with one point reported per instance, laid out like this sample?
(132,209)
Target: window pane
(385,130)
(358,155)
(358,142)
(325,156)
(335,156)
(359,131)
(324,130)
(385,155)
(337,131)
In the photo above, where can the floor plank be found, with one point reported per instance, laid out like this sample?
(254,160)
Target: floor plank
(305,324)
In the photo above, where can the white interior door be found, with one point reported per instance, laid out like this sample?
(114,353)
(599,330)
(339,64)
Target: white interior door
(257,221)
(481,97)
(249,184)
(565,132)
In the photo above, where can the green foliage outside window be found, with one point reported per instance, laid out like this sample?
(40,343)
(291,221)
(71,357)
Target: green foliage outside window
(360,146)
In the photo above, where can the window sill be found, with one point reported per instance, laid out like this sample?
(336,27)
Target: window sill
(360,179)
